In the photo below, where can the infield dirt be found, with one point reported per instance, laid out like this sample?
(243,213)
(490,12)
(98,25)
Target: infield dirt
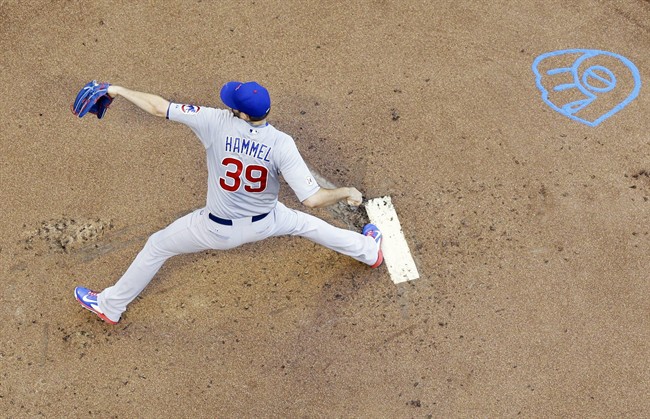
(530,230)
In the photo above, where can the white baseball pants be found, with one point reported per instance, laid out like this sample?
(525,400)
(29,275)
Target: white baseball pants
(195,232)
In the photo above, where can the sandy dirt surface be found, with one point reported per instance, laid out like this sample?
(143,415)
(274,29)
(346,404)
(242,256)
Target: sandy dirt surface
(530,230)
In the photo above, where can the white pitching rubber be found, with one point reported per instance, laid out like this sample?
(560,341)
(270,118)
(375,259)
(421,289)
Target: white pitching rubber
(397,256)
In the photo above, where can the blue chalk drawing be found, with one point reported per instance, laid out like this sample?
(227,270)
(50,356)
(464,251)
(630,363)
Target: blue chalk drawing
(595,80)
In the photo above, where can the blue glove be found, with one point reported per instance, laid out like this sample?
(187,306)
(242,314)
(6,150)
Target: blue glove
(93,98)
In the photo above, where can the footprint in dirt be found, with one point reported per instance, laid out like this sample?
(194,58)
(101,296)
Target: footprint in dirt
(66,234)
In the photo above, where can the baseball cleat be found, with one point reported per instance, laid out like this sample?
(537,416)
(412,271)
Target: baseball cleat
(88,300)
(372,231)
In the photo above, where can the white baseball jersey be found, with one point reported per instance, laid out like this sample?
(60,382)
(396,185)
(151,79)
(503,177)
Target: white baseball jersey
(244,161)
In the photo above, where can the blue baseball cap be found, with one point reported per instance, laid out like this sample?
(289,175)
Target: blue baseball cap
(250,97)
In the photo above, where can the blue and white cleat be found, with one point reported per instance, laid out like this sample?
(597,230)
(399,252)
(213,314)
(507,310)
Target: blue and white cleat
(88,300)
(372,231)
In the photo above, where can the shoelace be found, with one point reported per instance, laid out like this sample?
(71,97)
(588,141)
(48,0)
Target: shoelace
(373,233)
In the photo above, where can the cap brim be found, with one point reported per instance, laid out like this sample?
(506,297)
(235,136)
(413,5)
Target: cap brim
(227,93)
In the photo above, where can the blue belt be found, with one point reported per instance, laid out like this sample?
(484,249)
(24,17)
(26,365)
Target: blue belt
(225,222)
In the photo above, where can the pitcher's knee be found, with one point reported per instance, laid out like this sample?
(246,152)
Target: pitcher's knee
(153,248)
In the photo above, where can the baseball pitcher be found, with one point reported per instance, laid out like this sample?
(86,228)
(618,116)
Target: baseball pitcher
(246,156)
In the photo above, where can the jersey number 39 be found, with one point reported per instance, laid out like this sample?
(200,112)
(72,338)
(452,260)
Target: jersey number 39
(255,176)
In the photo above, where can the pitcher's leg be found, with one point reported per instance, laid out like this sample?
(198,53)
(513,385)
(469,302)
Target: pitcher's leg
(178,238)
(350,243)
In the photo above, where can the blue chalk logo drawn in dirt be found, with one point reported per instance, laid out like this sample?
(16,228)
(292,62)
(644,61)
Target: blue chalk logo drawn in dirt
(586,85)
